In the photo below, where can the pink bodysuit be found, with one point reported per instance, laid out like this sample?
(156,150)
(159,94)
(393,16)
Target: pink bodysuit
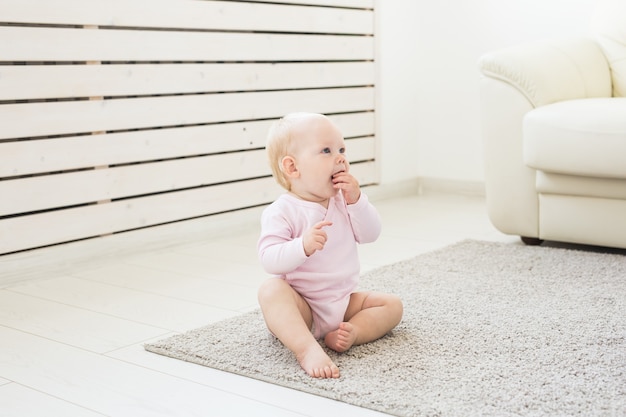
(328,277)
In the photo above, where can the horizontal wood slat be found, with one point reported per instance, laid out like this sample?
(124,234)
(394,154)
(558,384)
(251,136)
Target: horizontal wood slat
(361,149)
(194,14)
(21,82)
(44,44)
(50,155)
(95,220)
(70,117)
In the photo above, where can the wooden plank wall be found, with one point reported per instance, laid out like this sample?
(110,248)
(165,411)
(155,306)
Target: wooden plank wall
(123,114)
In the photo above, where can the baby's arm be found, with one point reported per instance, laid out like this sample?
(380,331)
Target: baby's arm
(366,224)
(281,248)
(280,254)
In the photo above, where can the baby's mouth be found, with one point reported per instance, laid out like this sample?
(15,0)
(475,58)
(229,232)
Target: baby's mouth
(338,172)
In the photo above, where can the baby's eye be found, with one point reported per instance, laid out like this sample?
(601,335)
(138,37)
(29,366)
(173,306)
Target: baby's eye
(326,150)
(342,150)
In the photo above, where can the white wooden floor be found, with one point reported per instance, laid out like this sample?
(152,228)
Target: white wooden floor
(71,343)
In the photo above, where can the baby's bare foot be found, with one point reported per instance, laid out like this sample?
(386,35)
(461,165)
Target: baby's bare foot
(341,339)
(317,364)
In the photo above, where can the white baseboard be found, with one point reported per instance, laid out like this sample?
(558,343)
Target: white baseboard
(449,186)
(393,190)
(425,185)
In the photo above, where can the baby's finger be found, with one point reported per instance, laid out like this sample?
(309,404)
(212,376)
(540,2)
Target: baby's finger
(323,223)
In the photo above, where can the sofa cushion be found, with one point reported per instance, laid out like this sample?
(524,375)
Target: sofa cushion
(551,183)
(584,137)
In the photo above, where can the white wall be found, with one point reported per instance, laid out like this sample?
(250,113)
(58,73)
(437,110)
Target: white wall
(428,99)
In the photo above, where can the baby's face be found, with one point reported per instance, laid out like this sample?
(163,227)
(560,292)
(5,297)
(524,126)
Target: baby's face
(320,155)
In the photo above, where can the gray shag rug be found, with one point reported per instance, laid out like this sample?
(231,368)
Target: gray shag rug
(496,329)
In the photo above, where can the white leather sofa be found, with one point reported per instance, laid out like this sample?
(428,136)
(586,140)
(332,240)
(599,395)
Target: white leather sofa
(554,129)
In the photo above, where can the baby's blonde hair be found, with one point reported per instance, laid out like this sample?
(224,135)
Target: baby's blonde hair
(279,143)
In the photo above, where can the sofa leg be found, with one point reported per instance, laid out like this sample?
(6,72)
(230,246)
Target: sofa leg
(531,241)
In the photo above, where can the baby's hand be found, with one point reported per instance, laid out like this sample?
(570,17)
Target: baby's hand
(314,238)
(348,185)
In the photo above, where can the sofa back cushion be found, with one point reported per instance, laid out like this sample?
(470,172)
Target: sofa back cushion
(609,26)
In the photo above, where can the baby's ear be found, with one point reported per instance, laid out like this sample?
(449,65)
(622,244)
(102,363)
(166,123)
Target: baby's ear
(289,167)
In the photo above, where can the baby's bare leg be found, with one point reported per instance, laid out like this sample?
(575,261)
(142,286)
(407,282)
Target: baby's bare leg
(370,316)
(289,318)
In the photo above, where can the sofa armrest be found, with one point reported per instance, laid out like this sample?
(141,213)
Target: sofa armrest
(553,70)
(514,81)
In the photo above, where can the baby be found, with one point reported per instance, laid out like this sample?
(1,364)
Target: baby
(309,242)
